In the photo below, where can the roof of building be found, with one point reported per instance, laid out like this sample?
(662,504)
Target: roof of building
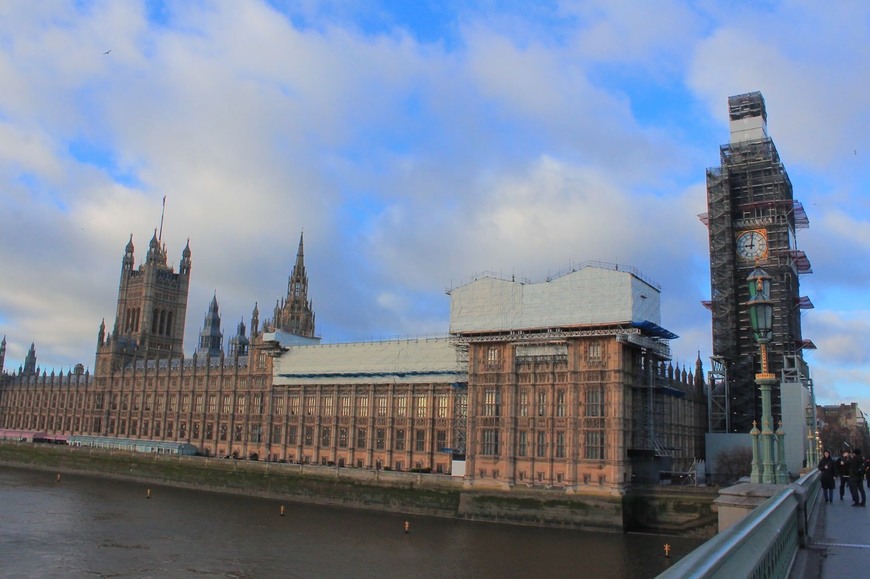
(393,361)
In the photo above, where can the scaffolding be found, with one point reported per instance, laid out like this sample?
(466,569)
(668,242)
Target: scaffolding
(750,191)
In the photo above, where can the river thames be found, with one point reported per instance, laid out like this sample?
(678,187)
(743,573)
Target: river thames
(91,527)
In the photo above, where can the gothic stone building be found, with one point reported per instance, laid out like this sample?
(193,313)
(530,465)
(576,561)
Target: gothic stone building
(565,384)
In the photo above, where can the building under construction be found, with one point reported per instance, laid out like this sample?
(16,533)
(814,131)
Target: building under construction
(752,219)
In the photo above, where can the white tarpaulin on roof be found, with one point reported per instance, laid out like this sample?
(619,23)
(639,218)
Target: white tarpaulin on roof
(395,361)
(589,296)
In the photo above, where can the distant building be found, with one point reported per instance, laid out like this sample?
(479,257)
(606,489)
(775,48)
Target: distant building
(843,426)
(565,384)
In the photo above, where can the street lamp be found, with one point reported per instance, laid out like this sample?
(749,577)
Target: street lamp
(761,318)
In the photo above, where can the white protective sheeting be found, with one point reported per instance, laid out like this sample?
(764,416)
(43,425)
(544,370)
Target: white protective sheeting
(590,296)
(388,362)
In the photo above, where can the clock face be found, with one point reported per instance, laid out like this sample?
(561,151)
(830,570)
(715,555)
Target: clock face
(752,245)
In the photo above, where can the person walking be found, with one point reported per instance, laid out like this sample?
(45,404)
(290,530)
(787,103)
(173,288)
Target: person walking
(843,472)
(856,479)
(827,466)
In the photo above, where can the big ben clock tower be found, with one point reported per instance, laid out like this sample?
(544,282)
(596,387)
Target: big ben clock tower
(752,220)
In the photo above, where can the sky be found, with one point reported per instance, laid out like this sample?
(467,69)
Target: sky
(417,145)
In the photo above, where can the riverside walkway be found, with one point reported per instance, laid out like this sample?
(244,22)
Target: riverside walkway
(839,541)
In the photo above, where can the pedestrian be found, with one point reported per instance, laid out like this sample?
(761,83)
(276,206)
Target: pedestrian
(826,467)
(843,472)
(856,479)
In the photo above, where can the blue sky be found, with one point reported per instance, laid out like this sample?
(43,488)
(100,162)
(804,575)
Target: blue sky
(417,144)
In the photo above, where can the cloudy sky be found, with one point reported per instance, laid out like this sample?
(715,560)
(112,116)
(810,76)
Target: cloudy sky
(416,144)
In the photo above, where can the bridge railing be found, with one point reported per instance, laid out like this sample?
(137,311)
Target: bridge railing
(763,544)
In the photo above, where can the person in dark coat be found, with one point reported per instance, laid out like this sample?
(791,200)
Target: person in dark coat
(843,472)
(856,479)
(826,467)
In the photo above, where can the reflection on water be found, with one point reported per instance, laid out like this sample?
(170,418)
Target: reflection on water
(88,527)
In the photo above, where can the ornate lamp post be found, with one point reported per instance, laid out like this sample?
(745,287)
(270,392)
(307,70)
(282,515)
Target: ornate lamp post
(761,318)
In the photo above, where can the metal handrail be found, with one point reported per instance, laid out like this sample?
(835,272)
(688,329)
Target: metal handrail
(762,544)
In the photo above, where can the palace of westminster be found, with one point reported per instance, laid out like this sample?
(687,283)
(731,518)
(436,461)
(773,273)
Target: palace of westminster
(563,384)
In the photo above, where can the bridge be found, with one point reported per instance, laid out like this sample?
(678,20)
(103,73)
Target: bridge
(793,534)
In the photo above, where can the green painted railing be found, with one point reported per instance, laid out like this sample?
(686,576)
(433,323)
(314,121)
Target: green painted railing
(762,545)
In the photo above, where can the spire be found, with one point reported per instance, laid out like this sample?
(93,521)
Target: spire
(184,266)
(127,261)
(211,338)
(239,343)
(30,360)
(2,354)
(255,320)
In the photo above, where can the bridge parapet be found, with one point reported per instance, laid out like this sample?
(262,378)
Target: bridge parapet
(764,544)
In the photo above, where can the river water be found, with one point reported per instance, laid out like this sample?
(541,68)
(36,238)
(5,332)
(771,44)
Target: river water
(90,527)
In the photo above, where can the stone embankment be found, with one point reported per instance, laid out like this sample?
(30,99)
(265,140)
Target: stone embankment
(652,510)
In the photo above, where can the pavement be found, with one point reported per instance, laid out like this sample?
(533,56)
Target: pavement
(839,540)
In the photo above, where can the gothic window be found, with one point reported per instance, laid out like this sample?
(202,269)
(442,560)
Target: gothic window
(381,402)
(490,442)
(294,405)
(342,437)
(212,403)
(361,438)
(380,438)
(194,430)
(197,403)
(310,403)
(443,402)
(257,404)
(420,440)
(362,407)
(279,406)
(594,352)
(240,404)
(401,406)
(492,357)
(400,439)
(560,444)
(421,403)
(256,433)
(441,440)
(594,400)
(326,410)
(560,402)
(541,449)
(237,433)
(185,402)
(345,405)
(209,430)
(226,406)
(522,443)
(291,434)
(524,402)
(595,445)
(542,402)
(491,402)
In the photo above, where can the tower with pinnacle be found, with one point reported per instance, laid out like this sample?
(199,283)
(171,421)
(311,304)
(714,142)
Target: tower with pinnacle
(211,338)
(295,314)
(151,309)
